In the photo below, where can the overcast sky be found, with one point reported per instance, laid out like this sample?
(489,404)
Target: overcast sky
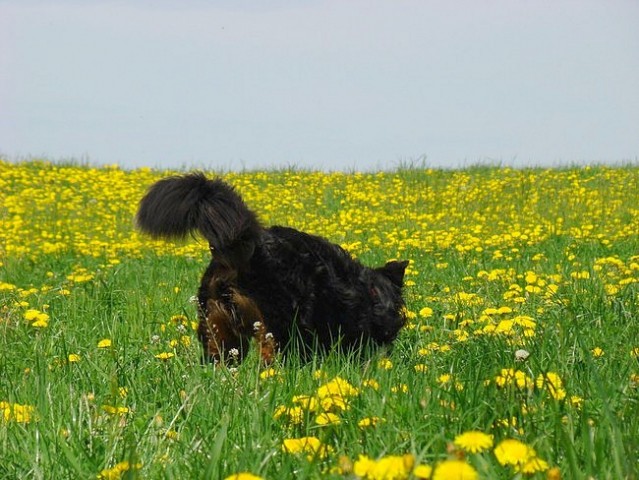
(335,84)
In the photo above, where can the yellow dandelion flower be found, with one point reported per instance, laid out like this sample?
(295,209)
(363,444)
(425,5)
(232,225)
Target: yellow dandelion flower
(337,386)
(461,335)
(370,383)
(576,401)
(423,472)
(363,465)
(37,318)
(510,376)
(385,364)
(370,422)
(409,313)
(80,277)
(327,419)
(426,312)
(522,380)
(295,415)
(279,411)
(392,467)
(7,287)
(513,452)
(41,322)
(179,319)
(116,472)
(531,277)
(532,465)
(16,412)
(335,402)
(505,327)
(311,446)
(597,352)
(319,375)
(111,410)
(243,476)
(105,343)
(268,373)
(31,315)
(454,469)
(474,441)
(165,356)
(582,275)
(306,402)
(5,410)
(401,388)
(611,290)
(73,358)
(552,382)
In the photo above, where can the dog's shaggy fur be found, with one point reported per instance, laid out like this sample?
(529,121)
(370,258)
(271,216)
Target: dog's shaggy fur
(284,287)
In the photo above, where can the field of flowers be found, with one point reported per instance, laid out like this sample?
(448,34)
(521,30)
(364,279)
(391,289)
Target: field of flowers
(520,359)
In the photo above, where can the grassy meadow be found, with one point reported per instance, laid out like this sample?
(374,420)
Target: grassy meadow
(520,358)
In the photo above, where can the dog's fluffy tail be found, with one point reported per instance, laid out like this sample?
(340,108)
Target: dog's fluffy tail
(176,206)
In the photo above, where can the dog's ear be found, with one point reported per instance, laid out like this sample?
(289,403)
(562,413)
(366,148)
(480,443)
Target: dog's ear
(394,271)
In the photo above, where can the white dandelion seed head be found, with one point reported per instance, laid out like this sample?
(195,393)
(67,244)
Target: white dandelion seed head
(268,336)
(193,299)
(521,355)
(155,339)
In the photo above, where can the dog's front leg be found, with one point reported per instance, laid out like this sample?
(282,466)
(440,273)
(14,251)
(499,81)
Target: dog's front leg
(252,323)
(266,342)
(219,335)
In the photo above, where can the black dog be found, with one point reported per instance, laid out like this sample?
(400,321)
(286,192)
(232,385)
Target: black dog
(279,285)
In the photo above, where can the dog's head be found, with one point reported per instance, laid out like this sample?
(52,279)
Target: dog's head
(387,305)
